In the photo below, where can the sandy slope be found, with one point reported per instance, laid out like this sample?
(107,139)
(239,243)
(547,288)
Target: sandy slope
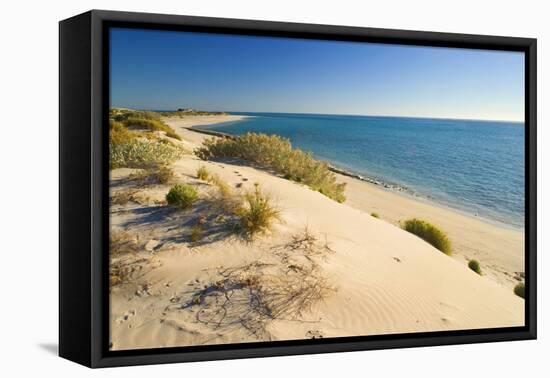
(499,249)
(382,279)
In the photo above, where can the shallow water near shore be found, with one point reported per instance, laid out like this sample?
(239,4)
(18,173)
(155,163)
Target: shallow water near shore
(473,166)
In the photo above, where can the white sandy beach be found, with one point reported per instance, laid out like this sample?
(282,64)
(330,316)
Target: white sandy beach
(377,278)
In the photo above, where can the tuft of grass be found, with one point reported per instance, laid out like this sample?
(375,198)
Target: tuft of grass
(164,175)
(122,245)
(429,233)
(160,174)
(519,290)
(474,265)
(223,187)
(258,213)
(375,215)
(143,153)
(196,233)
(118,134)
(123,197)
(182,196)
(202,173)
(276,153)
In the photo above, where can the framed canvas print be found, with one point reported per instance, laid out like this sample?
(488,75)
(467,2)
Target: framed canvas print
(234,188)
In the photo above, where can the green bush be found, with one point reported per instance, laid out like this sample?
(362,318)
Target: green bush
(258,213)
(202,173)
(276,153)
(143,153)
(474,265)
(182,196)
(429,233)
(374,215)
(519,290)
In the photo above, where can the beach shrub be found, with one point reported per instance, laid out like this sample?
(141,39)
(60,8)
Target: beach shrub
(276,153)
(519,290)
(258,213)
(474,265)
(202,173)
(375,215)
(429,233)
(143,153)
(182,196)
(151,125)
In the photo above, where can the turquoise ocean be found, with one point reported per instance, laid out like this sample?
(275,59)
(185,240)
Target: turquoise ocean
(477,167)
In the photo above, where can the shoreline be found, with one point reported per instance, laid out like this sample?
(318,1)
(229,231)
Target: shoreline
(204,128)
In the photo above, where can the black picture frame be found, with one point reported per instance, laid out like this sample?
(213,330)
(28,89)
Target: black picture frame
(83,181)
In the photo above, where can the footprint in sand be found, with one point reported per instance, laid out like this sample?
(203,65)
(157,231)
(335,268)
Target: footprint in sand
(314,334)
(127,315)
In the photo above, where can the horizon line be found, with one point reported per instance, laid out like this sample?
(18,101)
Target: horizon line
(360,115)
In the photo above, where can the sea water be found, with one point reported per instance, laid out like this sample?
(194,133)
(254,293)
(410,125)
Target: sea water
(473,166)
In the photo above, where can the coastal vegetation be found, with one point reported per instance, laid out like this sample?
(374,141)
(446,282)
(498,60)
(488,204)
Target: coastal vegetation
(276,153)
(182,196)
(519,290)
(375,215)
(429,233)
(258,212)
(474,265)
(143,153)
(151,125)
(202,173)
(158,174)
(132,143)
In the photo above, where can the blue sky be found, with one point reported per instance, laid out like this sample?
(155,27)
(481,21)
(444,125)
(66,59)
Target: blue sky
(165,70)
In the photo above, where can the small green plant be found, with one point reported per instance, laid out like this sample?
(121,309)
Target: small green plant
(429,233)
(474,265)
(182,196)
(202,173)
(519,290)
(375,215)
(258,213)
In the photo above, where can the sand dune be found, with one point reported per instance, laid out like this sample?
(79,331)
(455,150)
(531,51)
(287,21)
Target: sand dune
(370,276)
